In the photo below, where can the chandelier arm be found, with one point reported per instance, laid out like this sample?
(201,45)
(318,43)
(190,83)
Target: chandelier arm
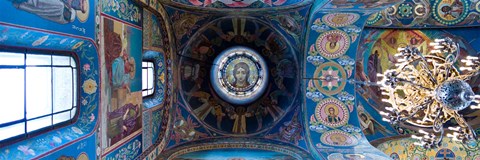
(472,133)
(440,139)
(457,51)
(351,81)
(448,70)
(416,110)
(467,132)
(413,84)
(429,73)
(437,123)
(472,74)
(430,140)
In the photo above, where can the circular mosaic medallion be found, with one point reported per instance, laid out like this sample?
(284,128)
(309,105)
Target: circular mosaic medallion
(477,157)
(355,156)
(405,10)
(477,6)
(391,11)
(340,19)
(450,12)
(239,75)
(333,44)
(332,78)
(420,10)
(338,138)
(394,156)
(332,112)
(335,156)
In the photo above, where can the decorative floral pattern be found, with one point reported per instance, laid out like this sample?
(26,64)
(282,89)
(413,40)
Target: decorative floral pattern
(160,85)
(123,9)
(331,78)
(184,24)
(237,4)
(329,74)
(338,138)
(425,14)
(458,149)
(332,42)
(128,151)
(89,86)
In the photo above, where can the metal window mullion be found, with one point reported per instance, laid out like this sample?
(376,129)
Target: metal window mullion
(11,123)
(51,65)
(12,66)
(46,115)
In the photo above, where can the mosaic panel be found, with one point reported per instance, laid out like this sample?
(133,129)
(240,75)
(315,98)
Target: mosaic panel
(430,13)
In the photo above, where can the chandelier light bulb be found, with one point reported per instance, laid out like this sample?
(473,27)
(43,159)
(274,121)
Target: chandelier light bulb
(416,137)
(384,113)
(419,144)
(472,58)
(385,119)
(475,107)
(454,128)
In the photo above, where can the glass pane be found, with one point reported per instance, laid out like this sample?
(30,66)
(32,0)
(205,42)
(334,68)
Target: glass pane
(150,64)
(73,63)
(8,58)
(144,93)
(75,87)
(39,123)
(62,89)
(144,64)
(11,95)
(12,130)
(39,91)
(36,59)
(61,117)
(150,78)
(73,112)
(61,60)
(144,79)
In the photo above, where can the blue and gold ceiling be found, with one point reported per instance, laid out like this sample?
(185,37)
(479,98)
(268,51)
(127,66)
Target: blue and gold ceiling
(310,107)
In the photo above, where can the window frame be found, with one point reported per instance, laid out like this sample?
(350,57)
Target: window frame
(49,128)
(154,79)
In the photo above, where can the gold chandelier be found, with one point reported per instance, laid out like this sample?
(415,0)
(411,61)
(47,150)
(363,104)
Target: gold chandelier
(428,90)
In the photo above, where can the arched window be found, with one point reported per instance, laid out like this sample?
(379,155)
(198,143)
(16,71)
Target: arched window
(38,92)
(148,81)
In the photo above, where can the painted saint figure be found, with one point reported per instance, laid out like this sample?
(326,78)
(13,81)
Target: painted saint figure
(60,11)
(240,116)
(124,113)
(332,117)
(241,72)
(209,106)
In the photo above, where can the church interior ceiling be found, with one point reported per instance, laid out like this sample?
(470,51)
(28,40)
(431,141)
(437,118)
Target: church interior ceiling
(250,79)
